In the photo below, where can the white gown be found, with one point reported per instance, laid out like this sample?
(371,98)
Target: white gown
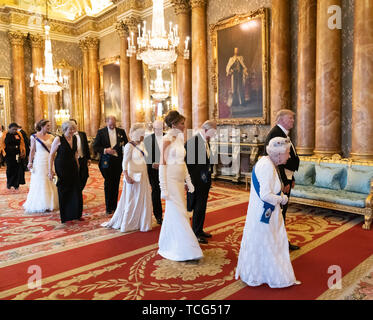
(134,209)
(177,240)
(42,195)
(264,253)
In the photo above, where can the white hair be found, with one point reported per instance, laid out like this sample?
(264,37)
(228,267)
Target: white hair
(137,131)
(278,145)
(209,124)
(68,124)
(158,124)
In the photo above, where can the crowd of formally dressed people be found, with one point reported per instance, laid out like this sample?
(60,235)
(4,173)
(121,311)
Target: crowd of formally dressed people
(155,167)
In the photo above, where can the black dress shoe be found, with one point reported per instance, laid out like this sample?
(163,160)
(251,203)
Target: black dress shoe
(206,235)
(202,240)
(293,247)
(109,212)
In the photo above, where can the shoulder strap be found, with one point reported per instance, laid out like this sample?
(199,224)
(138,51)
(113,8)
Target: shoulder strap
(41,142)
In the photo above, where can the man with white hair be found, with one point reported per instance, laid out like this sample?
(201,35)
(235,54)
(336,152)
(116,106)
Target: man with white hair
(198,160)
(284,123)
(153,145)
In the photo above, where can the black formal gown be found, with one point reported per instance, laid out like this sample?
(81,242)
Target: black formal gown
(15,171)
(69,192)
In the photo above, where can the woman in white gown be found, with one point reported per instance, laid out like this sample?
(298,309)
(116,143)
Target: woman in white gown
(177,240)
(134,210)
(43,195)
(264,253)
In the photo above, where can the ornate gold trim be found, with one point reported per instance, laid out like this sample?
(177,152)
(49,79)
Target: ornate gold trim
(5,82)
(261,13)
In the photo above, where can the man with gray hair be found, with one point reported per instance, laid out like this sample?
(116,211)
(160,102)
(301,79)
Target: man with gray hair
(284,123)
(153,145)
(199,163)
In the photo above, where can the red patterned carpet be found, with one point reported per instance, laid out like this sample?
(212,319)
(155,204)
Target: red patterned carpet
(85,261)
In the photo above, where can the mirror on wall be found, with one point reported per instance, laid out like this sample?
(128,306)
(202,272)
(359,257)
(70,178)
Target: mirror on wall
(5,102)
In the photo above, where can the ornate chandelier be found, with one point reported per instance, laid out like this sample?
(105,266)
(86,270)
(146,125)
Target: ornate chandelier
(160,87)
(49,80)
(157,48)
(61,116)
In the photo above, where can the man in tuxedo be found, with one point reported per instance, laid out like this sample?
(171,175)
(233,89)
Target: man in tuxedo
(153,146)
(284,123)
(84,156)
(199,163)
(109,144)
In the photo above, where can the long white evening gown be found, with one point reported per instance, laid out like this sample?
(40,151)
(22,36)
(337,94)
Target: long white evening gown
(264,253)
(42,195)
(134,209)
(177,240)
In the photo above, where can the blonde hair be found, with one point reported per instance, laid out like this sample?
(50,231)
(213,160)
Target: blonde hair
(283,112)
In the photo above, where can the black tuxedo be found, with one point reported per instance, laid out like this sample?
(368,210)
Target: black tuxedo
(292,163)
(83,161)
(153,156)
(110,166)
(199,169)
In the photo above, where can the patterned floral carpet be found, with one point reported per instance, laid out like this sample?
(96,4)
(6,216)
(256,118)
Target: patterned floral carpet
(82,260)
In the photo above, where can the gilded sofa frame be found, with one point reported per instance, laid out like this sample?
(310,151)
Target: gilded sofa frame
(367,212)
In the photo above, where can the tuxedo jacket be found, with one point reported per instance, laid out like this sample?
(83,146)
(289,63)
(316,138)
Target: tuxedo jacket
(85,146)
(197,161)
(152,148)
(102,141)
(293,161)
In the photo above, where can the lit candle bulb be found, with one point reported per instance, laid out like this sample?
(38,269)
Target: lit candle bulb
(129,42)
(186,43)
(138,26)
(132,38)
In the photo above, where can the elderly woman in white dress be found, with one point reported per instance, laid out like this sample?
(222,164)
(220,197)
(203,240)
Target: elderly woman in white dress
(264,253)
(134,210)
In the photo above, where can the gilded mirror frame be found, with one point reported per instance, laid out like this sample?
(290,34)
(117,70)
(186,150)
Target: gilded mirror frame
(240,20)
(5,101)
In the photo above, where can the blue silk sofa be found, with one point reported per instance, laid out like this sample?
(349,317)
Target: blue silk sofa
(335,183)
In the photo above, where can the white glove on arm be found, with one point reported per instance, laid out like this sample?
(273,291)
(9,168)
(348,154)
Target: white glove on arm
(163,181)
(284,199)
(188,180)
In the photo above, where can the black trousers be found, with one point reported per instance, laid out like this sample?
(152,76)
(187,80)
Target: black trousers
(201,195)
(15,173)
(83,172)
(112,176)
(156,192)
(285,207)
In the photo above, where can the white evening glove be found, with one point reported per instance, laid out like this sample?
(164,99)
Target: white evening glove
(284,199)
(188,181)
(163,181)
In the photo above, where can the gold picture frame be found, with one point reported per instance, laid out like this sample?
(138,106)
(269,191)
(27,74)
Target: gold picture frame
(240,68)
(5,118)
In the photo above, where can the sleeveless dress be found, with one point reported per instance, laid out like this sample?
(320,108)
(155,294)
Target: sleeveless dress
(42,195)
(68,184)
(177,240)
(134,210)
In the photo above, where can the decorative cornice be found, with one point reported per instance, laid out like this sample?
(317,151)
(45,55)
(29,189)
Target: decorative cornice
(198,3)
(36,40)
(16,38)
(132,22)
(180,6)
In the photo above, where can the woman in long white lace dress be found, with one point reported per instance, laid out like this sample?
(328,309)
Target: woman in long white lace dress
(43,195)
(134,210)
(264,253)
(177,240)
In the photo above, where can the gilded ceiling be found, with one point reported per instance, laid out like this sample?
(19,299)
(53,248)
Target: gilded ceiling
(68,10)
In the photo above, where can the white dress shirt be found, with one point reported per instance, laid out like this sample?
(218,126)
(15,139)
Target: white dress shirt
(79,145)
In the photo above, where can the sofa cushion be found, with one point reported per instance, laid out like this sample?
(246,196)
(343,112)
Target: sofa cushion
(305,174)
(342,197)
(358,180)
(328,177)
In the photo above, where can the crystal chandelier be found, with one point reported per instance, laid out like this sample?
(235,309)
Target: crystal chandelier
(157,48)
(61,116)
(160,87)
(49,80)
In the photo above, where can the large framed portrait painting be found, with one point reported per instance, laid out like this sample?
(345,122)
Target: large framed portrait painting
(240,67)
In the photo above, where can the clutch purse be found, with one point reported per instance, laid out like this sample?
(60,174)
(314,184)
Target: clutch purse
(105,160)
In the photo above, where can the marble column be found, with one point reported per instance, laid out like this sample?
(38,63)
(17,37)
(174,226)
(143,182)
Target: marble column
(200,112)
(328,82)
(94,85)
(19,82)
(280,58)
(362,85)
(86,95)
(37,62)
(137,114)
(305,115)
(183,66)
(123,32)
